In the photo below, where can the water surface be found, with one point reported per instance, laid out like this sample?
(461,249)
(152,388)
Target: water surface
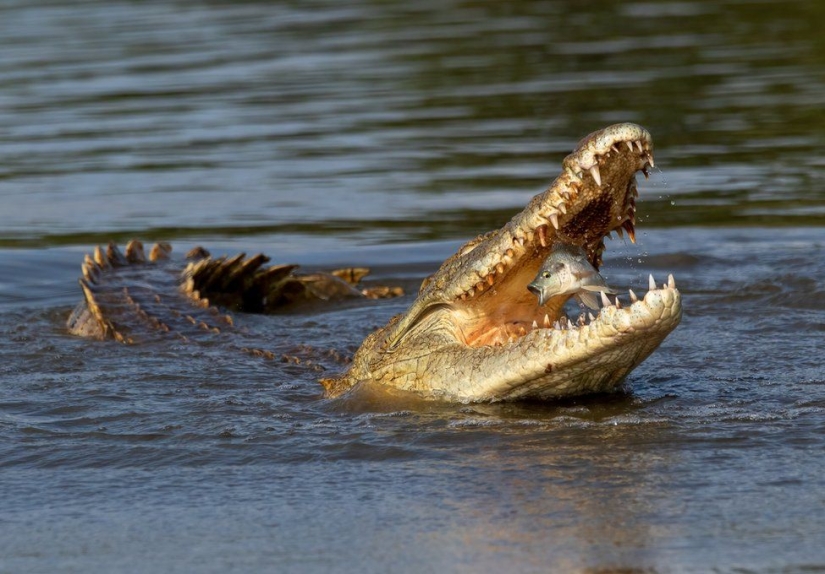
(386,134)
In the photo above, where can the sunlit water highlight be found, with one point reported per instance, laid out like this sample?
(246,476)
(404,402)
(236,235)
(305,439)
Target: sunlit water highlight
(386,134)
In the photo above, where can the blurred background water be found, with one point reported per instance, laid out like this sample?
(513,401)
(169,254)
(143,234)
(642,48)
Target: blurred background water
(385,134)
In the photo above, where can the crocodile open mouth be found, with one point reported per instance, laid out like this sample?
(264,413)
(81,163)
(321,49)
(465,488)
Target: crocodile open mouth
(475,332)
(594,197)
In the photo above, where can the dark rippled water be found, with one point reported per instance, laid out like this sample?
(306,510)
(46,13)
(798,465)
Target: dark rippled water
(384,134)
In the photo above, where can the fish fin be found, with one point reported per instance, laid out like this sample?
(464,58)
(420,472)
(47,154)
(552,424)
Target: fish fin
(588,299)
(600,288)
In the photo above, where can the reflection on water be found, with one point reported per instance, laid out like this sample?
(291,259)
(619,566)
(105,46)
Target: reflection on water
(382,134)
(239,118)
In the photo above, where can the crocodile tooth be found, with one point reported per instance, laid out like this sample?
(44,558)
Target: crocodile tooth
(633,297)
(639,145)
(546,320)
(629,145)
(557,326)
(480,286)
(671,282)
(554,219)
(614,148)
(541,231)
(491,279)
(535,325)
(647,173)
(651,284)
(650,160)
(631,231)
(618,303)
(594,171)
(510,253)
(605,300)
(562,208)
(499,268)
(590,316)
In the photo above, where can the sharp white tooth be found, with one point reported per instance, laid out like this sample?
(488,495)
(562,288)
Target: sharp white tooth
(546,321)
(671,282)
(554,219)
(639,145)
(633,297)
(650,160)
(541,231)
(594,171)
(605,300)
(557,326)
(629,145)
(618,303)
(535,325)
(562,208)
(651,284)
(614,148)
(590,316)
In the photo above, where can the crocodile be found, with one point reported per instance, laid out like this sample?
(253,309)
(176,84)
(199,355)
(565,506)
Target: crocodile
(474,332)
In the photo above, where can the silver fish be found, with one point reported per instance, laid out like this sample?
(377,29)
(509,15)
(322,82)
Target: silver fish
(567,271)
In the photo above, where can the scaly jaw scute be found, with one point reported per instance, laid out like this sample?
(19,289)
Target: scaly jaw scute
(594,196)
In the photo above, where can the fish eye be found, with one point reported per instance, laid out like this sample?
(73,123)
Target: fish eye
(546,275)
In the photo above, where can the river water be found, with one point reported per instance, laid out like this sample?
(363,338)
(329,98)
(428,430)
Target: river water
(385,134)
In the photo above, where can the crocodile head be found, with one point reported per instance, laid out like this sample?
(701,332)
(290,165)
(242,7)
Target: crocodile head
(476,333)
